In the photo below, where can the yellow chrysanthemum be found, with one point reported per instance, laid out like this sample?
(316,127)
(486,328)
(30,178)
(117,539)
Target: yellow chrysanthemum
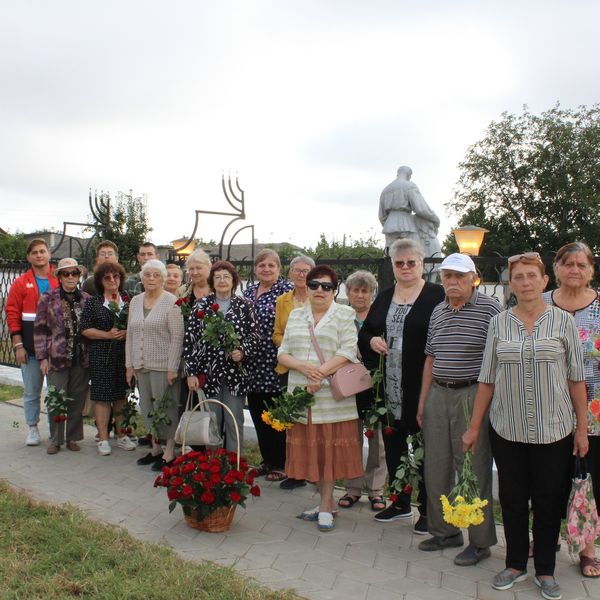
(461,513)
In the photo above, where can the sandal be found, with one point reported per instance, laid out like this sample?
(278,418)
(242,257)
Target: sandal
(275,475)
(325,521)
(312,514)
(377,503)
(261,470)
(586,562)
(348,501)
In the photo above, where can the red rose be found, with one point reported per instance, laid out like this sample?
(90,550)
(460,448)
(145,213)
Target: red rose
(174,471)
(229,479)
(215,307)
(394,498)
(208,485)
(199,477)
(56,419)
(186,299)
(407,489)
(235,497)
(215,469)
(176,481)
(215,477)
(188,468)
(369,433)
(173,494)
(207,498)
(187,490)
(179,302)
(200,314)
(179,460)
(128,430)
(220,452)
(114,297)
(204,466)
(158,481)
(388,431)
(255,490)
(250,480)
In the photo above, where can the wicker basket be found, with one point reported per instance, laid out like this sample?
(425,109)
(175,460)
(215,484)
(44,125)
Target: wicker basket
(219,520)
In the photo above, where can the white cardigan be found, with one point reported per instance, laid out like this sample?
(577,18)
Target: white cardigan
(337,336)
(156,341)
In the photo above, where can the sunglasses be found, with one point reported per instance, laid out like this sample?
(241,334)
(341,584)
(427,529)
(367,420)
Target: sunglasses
(70,273)
(112,276)
(400,264)
(526,256)
(314,285)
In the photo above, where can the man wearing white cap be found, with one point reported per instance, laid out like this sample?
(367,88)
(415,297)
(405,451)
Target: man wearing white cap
(455,344)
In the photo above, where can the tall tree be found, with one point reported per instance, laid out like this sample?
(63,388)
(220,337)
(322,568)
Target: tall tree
(127,226)
(533,181)
(13,246)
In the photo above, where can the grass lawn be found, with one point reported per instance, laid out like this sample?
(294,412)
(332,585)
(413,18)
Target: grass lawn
(58,553)
(10,392)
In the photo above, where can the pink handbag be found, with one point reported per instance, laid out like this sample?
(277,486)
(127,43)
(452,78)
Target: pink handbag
(349,379)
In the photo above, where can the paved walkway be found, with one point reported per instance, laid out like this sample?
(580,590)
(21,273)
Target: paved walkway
(361,559)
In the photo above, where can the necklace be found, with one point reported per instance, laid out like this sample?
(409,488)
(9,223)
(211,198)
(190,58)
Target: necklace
(408,296)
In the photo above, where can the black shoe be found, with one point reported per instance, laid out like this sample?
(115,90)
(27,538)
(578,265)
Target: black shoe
(149,459)
(471,555)
(144,441)
(159,464)
(420,527)
(292,484)
(393,513)
(439,543)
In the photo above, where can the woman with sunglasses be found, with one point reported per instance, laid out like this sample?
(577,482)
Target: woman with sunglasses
(107,353)
(61,352)
(225,372)
(574,270)
(323,446)
(396,327)
(532,381)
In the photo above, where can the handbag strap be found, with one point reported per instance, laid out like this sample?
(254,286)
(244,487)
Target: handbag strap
(201,398)
(580,467)
(315,343)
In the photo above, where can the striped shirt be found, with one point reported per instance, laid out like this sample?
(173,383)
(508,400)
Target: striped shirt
(531,374)
(456,338)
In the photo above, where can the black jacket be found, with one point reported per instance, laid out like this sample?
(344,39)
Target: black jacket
(414,339)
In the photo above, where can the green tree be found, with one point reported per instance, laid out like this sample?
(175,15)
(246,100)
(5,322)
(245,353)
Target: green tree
(533,181)
(13,246)
(126,226)
(347,248)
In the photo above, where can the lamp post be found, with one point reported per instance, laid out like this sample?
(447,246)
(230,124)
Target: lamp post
(469,239)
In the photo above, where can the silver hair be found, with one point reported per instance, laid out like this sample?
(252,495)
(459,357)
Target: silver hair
(302,259)
(406,245)
(156,265)
(360,279)
(198,256)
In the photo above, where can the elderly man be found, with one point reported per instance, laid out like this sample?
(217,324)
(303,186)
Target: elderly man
(133,285)
(174,279)
(106,251)
(21,307)
(360,289)
(455,345)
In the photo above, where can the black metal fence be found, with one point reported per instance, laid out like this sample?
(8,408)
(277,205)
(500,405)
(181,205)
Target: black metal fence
(493,272)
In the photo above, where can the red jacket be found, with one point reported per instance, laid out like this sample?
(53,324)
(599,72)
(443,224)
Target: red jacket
(21,306)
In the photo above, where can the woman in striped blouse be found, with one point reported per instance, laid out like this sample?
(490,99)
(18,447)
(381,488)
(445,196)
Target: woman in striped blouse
(532,380)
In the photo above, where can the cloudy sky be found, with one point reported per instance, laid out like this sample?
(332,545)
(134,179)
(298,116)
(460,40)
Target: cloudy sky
(314,104)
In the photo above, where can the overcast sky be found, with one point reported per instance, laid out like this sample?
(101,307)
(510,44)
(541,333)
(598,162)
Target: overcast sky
(314,104)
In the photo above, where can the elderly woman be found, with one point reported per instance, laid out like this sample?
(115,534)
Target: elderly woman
(152,356)
(61,352)
(264,381)
(296,298)
(323,446)
(106,344)
(532,381)
(197,266)
(360,289)
(401,313)
(574,269)
(225,372)
(174,279)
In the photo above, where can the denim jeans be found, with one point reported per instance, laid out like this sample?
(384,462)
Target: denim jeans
(32,382)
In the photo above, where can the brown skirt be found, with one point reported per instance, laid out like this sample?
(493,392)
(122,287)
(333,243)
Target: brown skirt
(324,452)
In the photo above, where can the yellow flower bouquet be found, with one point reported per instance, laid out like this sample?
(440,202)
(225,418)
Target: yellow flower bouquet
(285,410)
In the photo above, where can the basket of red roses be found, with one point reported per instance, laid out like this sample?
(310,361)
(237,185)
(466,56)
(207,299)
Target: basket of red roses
(209,485)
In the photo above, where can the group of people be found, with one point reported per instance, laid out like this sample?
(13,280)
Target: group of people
(515,386)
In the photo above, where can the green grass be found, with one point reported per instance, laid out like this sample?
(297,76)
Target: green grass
(10,392)
(58,553)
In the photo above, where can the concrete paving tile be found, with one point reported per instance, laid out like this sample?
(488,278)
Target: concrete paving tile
(301,557)
(434,594)
(421,571)
(266,575)
(332,545)
(363,553)
(303,539)
(390,563)
(302,587)
(355,589)
(377,593)
(458,584)
(275,530)
(275,547)
(247,537)
(320,573)
(485,591)
(405,585)
(366,574)
(592,587)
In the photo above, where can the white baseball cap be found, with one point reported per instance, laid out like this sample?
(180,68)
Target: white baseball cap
(459,262)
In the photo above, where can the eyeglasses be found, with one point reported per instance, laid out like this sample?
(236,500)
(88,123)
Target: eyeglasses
(109,276)
(106,254)
(526,256)
(400,264)
(70,273)
(314,285)
(300,271)
(223,278)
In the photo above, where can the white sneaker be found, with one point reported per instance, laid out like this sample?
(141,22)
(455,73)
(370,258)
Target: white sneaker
(104,448)
(125,443)
(33,436)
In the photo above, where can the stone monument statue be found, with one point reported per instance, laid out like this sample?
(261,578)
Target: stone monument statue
(404,213)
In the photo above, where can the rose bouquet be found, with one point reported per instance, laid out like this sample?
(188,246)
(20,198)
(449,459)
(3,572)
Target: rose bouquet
(56,403)
(287,409)
(205,482)
(159,414)
(218,332)
(119,310)
(184,306)
(408,474)
(377,413)
(129,414)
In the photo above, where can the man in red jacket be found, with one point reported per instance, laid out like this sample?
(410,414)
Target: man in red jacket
(21,306)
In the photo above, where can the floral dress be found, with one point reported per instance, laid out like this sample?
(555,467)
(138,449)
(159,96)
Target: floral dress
(587,320)
(261,366)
